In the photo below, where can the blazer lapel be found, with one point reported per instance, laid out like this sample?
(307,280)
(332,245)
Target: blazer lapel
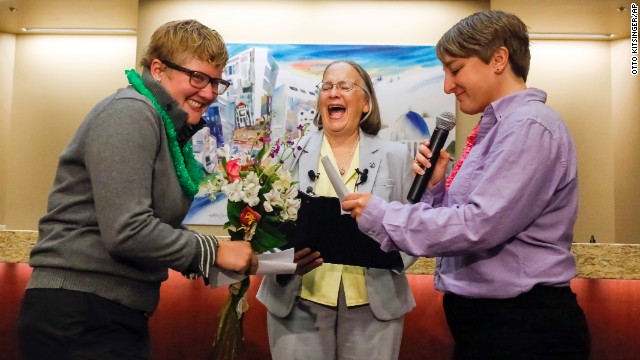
(370,158)
(308,161)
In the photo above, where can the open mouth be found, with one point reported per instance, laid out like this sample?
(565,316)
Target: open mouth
(194,103)
(336,111)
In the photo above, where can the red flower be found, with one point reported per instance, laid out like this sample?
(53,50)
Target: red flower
(233,170)
(248,216)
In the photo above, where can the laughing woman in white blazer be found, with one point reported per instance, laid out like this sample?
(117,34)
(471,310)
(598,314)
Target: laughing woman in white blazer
(340,311)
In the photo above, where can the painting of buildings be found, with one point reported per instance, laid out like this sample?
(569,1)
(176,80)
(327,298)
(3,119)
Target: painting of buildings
(277,83)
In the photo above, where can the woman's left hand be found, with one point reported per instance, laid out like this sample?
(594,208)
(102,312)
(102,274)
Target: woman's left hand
(306,260)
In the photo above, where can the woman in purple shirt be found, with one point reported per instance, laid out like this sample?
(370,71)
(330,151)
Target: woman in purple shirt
(501,226)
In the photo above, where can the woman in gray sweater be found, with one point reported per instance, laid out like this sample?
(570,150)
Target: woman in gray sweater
(123,186)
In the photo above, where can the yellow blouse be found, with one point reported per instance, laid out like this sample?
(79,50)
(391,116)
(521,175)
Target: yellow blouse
(321,285)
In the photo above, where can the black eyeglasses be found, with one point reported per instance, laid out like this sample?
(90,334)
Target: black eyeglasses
(200,80)
(344,86)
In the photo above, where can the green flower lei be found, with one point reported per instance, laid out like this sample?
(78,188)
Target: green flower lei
(187,168)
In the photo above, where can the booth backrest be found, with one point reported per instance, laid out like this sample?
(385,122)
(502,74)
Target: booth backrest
(185,323)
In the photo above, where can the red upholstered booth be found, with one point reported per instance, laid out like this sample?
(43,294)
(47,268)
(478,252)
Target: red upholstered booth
(184,325)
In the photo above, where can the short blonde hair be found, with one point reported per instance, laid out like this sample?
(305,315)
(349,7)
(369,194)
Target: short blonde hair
(177,41)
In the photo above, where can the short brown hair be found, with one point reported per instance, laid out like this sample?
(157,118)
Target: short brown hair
(483,33)
(370,122)
(177,41)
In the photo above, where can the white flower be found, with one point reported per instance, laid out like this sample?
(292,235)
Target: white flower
(250,192)
(214,186)
(280,202)
(250,189)
(291,192)
(272,198)
(251,179)
(283,183)
(290,211)
(284,176)
(221,180)
(233,191)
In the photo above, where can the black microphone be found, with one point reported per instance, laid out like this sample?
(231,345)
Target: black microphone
(444,123)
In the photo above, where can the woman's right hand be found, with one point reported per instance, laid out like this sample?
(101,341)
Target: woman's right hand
(235,256)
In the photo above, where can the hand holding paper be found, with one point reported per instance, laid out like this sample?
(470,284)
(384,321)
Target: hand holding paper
(268,264)
(355,203)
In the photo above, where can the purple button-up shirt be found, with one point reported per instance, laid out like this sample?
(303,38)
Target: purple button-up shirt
(506,223)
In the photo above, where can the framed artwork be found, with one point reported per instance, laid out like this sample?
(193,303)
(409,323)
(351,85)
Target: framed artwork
(277,83)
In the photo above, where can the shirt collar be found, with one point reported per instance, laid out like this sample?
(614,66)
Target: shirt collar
(501,108)
(507,104)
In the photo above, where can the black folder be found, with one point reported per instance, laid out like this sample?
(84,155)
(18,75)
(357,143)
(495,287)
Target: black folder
(321,226)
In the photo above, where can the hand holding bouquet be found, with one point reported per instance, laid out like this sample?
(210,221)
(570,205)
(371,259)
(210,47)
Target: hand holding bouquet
(261,195)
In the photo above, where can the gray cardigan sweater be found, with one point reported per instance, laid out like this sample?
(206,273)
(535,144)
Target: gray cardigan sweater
(114,218)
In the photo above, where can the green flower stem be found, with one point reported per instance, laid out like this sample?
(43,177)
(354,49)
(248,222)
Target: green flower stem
(229,342)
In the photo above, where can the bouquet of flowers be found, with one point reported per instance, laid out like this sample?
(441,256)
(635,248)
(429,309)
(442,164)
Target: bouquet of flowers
(261,194)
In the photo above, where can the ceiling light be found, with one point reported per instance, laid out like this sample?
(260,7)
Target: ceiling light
(570,36)
(79,31)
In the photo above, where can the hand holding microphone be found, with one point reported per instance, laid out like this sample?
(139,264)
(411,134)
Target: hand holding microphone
(445,122)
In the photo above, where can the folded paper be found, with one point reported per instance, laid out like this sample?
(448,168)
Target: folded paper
(279,262)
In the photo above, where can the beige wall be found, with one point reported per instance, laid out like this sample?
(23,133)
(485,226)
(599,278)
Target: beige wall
(316,22)
(584,81)
(625,123)
(58,79)
(7,49)
(576,76)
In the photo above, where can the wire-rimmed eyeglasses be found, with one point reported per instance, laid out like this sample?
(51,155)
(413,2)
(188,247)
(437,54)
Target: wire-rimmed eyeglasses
(344,86)
(200,80)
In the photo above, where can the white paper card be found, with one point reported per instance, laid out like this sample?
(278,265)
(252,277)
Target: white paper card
(280,262)
(221,277)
